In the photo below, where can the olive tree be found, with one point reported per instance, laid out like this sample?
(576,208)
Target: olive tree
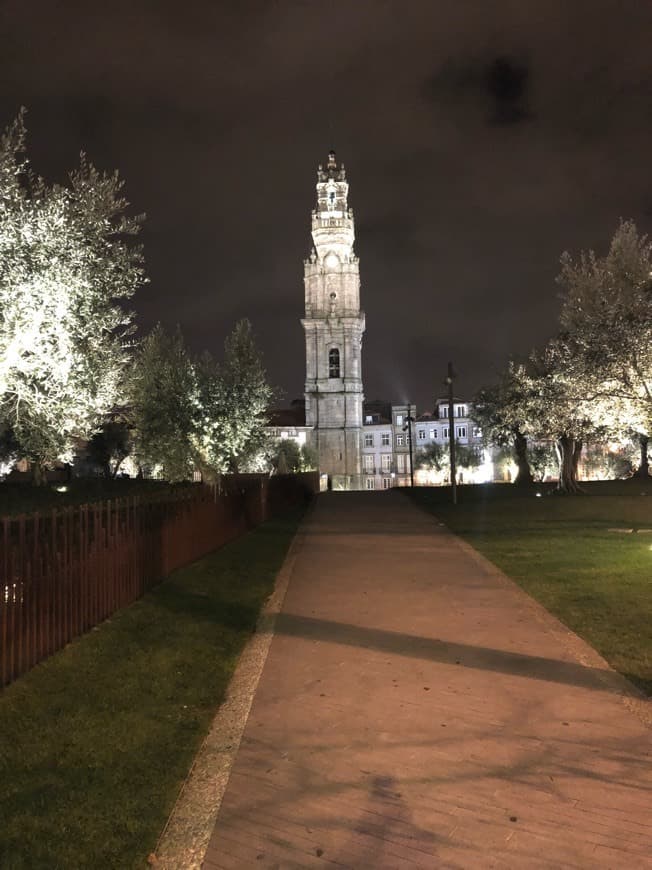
(67,261)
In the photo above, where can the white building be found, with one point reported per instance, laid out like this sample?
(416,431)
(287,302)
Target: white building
(386,444)
(333,326)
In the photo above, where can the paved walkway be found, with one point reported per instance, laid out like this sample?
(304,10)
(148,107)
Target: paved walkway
(417,709)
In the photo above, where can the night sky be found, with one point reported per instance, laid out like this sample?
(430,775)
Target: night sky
(480,140)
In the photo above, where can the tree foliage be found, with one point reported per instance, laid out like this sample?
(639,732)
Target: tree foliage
(234,398)
(109,447)
(501,412)
(607,318)
(288,457)
(67,259)
(436,457)
(163,405)
(558,408)
(192,413)
(431,458)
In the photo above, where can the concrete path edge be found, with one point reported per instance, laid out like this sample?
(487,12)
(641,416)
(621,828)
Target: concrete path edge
(582,651)
(185,837)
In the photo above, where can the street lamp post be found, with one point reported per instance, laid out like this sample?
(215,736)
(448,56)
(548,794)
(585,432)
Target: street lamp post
(409,420)
(451,429)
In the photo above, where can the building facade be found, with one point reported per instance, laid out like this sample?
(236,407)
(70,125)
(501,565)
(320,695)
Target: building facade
(386,460)
(333,325)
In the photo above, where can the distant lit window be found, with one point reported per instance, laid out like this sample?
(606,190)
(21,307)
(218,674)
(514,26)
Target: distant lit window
(384,439)
(399,419)
(421,434)
(386,461)
(368,462)
(399,440)
(333,363)
(433,433)
(368,440)
(368,418)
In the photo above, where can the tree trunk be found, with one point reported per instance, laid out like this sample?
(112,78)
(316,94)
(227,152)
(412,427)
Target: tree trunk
(524,476)
(643,469)
(577,453)
(568,455)
(39,474)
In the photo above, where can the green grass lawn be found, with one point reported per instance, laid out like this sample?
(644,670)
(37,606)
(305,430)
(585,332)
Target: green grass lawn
(96,741)
(560,550)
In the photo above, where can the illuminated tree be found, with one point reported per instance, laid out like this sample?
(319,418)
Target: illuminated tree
(233,399)
(9,450)
(66,259)
(500,411)
(431,458)
(556,407)
(164,406)
(607,315)
(189,413)
(542,458)
(436,457)
(109,447)
(309,458)
(287,457)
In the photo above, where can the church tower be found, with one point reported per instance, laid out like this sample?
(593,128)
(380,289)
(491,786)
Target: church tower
(333,327)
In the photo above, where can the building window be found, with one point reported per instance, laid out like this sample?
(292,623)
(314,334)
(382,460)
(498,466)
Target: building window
(368,461)
(387,482)
(400,463)
(368,440)
(399,419)
(460,411)
(444,432)
(433,433)
(384,439)
(477,432)
(461,432)
(333,363)
(370,483)
(386,461)
(421,434)
(368,419)
(399,440)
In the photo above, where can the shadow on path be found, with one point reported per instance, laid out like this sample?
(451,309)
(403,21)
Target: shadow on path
(466,655)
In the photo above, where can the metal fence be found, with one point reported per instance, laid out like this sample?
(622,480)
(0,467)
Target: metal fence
(63,572)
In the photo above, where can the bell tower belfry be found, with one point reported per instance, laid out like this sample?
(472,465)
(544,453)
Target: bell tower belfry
(333,326)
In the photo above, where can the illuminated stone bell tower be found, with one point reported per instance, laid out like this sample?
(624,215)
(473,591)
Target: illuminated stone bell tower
(333,327)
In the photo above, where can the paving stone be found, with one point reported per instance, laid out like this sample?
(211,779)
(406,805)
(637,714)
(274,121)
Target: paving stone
(417,709)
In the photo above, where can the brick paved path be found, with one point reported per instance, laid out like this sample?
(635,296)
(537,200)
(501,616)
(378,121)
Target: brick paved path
(418,710)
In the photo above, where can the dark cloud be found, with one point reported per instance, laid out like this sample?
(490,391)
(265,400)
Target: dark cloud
(507,83)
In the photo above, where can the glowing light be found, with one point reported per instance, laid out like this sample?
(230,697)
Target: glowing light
(61,489)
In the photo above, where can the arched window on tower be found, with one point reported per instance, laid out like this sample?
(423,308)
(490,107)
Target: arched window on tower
(333,363)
